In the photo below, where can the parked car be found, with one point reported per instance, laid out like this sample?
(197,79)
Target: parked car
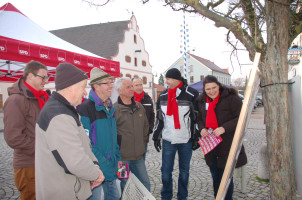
(242,98)
(259,101)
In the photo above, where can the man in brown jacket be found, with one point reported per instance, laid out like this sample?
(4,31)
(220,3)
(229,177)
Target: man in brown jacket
(21,111)
(132,129)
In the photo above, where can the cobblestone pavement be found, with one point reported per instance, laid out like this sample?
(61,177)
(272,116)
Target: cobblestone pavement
(200,184)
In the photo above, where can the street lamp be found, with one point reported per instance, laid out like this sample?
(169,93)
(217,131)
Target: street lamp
(154,90)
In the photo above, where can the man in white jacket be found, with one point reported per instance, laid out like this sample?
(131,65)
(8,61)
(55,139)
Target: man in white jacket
(175,126)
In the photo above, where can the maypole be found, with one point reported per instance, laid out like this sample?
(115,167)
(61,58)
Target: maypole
(184,46)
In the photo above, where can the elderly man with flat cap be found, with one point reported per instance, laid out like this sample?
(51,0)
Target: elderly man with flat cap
(65,166)
(175,125)
(97,116)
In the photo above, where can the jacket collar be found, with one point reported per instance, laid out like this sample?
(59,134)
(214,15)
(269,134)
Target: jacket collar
(96,99)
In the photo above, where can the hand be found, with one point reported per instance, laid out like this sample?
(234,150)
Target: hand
(195,145)
(219,131)
(98,181)
(157,145)
(120,164)
(204,132)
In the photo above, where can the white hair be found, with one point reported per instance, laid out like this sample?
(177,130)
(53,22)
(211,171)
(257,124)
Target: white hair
(118,84)
(136,77)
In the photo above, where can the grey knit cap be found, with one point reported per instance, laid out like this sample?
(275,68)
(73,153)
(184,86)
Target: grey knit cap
(67,75)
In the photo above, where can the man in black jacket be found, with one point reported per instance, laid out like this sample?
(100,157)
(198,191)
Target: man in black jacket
(146,101)
(175,124)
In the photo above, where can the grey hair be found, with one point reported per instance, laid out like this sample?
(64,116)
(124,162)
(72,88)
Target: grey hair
(136,77)
(119,82)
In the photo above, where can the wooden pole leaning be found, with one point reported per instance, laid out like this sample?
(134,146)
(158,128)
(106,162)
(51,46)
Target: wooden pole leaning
(246,110)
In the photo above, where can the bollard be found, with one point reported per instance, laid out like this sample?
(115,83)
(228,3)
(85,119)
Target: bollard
(241,172)
(263,167)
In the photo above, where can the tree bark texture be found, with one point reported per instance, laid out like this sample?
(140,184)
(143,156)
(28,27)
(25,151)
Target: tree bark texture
(274,69)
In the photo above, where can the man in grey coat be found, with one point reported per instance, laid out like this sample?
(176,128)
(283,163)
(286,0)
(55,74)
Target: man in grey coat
(65,166)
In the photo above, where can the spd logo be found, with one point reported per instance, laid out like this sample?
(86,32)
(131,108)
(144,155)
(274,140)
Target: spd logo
(2,48)
(44,53)
(77,62)
(61,59)
(23,52)
(44,56)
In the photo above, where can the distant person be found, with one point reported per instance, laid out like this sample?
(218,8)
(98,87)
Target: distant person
(97,116)
(175,126)
(48,92)
(219,109)
(21,111)
(133,131)
(66,168)
(142,97)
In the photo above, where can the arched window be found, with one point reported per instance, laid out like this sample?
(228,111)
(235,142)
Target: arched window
(128,59)
(144,80)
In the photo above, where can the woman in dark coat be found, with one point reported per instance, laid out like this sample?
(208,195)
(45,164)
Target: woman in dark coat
(219,108)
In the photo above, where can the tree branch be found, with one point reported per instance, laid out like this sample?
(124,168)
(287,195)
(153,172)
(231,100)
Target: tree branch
(213,5)
(90,2)
(220,21)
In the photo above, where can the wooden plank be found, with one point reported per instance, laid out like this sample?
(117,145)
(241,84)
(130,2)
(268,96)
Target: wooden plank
(246,110)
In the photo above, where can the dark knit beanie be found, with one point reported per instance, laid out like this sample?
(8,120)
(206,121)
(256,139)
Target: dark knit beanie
(67,75)
(174,73)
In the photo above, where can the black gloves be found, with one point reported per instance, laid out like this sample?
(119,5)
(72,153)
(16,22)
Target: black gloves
(157,145)
(195,145)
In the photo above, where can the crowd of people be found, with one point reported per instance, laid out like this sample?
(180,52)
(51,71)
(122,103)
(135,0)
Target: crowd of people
(67,148)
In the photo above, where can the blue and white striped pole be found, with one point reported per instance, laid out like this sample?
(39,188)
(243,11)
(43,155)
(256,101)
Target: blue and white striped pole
(185,42)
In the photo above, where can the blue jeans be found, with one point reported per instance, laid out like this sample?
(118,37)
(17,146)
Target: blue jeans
(184,157)
(108,189)
(138,168)
(217,176)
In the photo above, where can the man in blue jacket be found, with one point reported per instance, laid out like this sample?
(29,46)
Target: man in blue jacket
(97,116)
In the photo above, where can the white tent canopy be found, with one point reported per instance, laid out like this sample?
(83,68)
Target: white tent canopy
(22,40)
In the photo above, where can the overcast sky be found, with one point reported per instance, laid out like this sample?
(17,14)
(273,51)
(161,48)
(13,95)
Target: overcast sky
(159,27)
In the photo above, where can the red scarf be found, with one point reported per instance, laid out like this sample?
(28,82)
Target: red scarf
(38,95)
(172,107)
(138,97)
(211,120)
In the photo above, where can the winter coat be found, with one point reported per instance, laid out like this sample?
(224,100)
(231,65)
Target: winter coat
(65,164)
(21,111)
(148,105)
(100,125)
(187,109)
(227,113)
(132,128)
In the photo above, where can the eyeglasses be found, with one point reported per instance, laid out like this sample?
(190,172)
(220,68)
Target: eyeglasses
(107,83)
(44,78)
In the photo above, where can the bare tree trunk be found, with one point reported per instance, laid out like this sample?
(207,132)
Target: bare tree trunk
(274,69)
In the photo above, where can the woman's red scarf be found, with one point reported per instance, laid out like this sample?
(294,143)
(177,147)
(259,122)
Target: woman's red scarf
(172,107)
(38,95)
(138,97)
(211,120)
